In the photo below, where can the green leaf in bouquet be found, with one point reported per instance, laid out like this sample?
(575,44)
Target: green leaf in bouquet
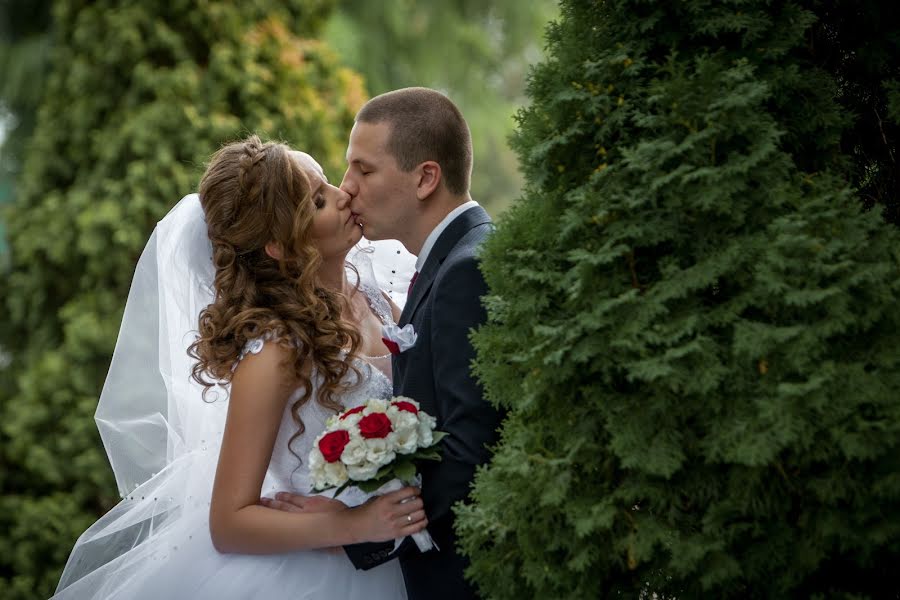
(385,473)
(430,453)
(437,437)
(341,488)
(373,484)
(405,470)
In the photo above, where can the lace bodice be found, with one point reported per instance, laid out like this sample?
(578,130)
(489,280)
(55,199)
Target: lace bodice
(379,305)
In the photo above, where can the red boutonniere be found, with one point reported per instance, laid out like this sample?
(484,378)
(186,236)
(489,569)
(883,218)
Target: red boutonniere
(398,340)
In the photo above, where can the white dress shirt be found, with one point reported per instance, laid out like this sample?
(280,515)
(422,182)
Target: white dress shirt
(393,267)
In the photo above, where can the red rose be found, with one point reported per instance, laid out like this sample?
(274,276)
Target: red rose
(391,345)
(376,425)
(351,411)
(407,406)
(332,444)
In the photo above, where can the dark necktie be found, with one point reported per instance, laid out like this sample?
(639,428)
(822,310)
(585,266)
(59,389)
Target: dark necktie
(412,282)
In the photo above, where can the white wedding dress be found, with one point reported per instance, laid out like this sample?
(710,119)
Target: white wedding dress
(156,544)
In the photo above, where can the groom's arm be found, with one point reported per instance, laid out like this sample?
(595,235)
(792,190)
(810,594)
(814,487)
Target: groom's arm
(369,555)
(467,417)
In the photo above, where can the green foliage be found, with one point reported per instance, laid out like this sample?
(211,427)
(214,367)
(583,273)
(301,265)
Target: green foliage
(477,52)
(858,43)
(139,96)
(692,322)
(24,56)
(25,41)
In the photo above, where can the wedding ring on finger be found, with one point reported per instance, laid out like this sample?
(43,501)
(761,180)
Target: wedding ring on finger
(409,518)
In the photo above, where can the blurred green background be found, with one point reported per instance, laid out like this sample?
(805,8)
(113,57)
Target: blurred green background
(478,53)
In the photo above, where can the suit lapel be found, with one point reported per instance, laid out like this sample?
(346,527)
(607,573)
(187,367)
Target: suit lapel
(449,237)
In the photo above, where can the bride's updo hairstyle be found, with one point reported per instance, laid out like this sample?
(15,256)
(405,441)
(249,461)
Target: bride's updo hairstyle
(254,193)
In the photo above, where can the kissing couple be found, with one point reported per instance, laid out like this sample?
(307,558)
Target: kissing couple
(254,318)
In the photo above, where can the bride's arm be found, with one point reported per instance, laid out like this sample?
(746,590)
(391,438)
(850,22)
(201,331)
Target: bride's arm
(259,394)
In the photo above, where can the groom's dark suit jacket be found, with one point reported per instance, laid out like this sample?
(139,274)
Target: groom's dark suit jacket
(443,307)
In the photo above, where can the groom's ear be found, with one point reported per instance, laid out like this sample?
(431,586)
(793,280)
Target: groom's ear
(429,173)
(273,249)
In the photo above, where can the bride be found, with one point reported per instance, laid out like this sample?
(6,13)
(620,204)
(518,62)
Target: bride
(200,427)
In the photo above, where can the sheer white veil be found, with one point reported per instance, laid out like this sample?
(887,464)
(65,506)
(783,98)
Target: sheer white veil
(143,417)
(162,437)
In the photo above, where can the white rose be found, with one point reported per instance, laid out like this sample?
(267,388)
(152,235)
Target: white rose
(362,472)
(379,452)
(317,467)
(427,419)
(426,438)
(318,479)
(351,421)
(406,440)
(316,458)
(402,419)
(376,405)
(335,473)
(355,451)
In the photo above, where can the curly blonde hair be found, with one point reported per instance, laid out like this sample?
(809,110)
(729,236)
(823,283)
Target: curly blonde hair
(254,193)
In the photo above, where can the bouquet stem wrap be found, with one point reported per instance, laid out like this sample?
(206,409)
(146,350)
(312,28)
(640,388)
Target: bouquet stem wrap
(422,539)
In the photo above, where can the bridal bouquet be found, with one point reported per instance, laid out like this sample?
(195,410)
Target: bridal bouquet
(369,445)
(373,447)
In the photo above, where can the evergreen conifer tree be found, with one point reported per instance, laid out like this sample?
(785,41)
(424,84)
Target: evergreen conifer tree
(140,95)
(857,42)
(692,322)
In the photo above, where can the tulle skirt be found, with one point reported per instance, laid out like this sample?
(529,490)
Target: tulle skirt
(184,564)
(156,544)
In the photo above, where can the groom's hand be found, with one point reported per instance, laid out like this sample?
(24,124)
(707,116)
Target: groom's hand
(299,503)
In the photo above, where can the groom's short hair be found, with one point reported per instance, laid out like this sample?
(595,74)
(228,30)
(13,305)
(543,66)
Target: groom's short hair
(424,125)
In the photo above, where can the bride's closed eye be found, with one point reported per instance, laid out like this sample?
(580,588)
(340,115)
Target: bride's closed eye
(319,200)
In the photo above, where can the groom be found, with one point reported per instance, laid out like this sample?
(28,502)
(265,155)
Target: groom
(409,167)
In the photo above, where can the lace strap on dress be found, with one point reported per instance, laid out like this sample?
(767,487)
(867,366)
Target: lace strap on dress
(379,304)
(253,346)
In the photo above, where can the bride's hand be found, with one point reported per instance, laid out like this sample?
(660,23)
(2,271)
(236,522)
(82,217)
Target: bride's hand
(299,503)
(391,516)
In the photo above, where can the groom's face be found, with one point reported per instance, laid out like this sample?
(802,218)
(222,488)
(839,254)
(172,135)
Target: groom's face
(382,197)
